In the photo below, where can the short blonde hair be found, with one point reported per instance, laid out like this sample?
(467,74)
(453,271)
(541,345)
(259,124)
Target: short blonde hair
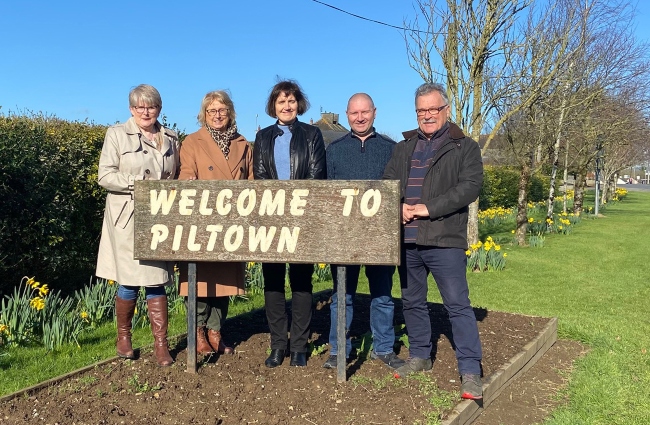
(223,97)
(146,94)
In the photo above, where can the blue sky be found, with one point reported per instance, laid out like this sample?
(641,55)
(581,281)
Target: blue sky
(79,59)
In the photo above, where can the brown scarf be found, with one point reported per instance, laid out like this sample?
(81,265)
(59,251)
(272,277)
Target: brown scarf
(223,138)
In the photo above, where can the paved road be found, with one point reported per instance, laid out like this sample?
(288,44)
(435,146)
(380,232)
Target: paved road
(635,187)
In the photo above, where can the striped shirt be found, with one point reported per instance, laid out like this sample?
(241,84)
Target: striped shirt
(421,161)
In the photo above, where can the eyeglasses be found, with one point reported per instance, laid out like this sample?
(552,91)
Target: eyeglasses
(431,111)
(221,112)
(141,109)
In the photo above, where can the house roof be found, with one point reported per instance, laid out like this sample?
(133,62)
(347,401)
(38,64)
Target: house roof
(330,127)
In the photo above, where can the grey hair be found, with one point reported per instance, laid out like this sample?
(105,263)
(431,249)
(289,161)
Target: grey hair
(146,94)
(223,97)
(427,88)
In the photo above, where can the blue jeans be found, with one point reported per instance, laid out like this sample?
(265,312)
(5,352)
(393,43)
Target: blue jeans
(130,293)
(380,279)
(448,267)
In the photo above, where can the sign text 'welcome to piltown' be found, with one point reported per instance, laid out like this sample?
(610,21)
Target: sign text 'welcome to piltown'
(301,221)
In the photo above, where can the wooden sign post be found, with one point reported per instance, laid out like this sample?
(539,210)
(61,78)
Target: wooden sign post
(275,221)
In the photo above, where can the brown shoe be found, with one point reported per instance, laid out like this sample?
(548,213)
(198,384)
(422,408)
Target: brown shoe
(202,344)
(217,343)
(158,317)
(124,310)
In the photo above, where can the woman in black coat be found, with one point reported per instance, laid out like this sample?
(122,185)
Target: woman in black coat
(288,150)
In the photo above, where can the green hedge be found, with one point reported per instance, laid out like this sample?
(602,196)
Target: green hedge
(52,206)
(501,188)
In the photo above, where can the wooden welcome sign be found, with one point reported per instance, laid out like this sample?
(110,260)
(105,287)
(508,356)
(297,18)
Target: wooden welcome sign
(294,221)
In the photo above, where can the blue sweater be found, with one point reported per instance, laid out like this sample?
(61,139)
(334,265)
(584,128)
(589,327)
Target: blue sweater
(350,159)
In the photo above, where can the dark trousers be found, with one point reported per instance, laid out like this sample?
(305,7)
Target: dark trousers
(301,304)
(211,311)
(447,265)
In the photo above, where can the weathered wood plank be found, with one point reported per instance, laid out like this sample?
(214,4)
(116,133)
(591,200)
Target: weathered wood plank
(299,221)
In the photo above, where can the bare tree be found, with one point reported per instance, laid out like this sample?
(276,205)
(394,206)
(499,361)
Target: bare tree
(487,49)
(607,59)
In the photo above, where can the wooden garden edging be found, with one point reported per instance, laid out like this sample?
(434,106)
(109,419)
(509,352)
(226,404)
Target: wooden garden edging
(468,410)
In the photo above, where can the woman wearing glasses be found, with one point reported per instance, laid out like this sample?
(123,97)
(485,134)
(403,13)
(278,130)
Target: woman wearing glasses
(288,150)
(216,152)
(139,149)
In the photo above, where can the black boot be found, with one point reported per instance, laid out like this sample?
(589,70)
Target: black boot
(275,359)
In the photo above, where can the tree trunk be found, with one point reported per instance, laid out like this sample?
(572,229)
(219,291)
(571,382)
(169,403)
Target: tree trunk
(472,223)
(522,203)
(579,193)
(556,153)
(604,196)
(566,176)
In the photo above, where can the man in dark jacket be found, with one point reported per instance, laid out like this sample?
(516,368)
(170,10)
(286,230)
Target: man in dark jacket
(362,154)
(441,173)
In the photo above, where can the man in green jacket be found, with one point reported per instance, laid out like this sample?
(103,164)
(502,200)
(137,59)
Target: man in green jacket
(441,173)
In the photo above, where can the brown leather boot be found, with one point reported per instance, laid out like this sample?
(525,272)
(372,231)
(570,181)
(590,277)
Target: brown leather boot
(158,317)
(202,344)
(217,343)
(124,310)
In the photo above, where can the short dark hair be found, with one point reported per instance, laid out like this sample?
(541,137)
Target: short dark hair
(288,87)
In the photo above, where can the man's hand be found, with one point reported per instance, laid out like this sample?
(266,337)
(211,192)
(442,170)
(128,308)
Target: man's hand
(412,212)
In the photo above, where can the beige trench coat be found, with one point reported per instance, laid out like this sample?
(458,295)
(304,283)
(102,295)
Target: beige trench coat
(202,159)
(125,158)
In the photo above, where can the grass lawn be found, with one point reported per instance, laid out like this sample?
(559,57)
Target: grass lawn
(592,280)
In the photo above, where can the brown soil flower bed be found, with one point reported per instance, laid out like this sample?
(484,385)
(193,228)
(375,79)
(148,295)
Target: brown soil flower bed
(239,389)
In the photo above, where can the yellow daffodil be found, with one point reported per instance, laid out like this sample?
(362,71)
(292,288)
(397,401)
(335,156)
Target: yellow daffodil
(559,227)
(4,329)
(250,264)
(37,303)
(497,247)
(43,290)
(512,231)
(530,219)
(468,252)
(84,315)
(321,265)
(110,282)
(505,254)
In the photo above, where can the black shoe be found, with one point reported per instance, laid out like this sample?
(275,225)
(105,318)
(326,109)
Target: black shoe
(330,363)
(275,359)
(298,359)
(391,360)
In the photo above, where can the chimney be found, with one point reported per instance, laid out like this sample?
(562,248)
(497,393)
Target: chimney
(330,117)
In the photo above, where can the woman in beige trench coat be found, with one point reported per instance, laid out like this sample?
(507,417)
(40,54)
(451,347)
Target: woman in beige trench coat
(216,152)
(139,149)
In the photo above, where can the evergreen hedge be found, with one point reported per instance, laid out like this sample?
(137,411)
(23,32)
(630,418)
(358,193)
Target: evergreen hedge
(52,206)
(501,187)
